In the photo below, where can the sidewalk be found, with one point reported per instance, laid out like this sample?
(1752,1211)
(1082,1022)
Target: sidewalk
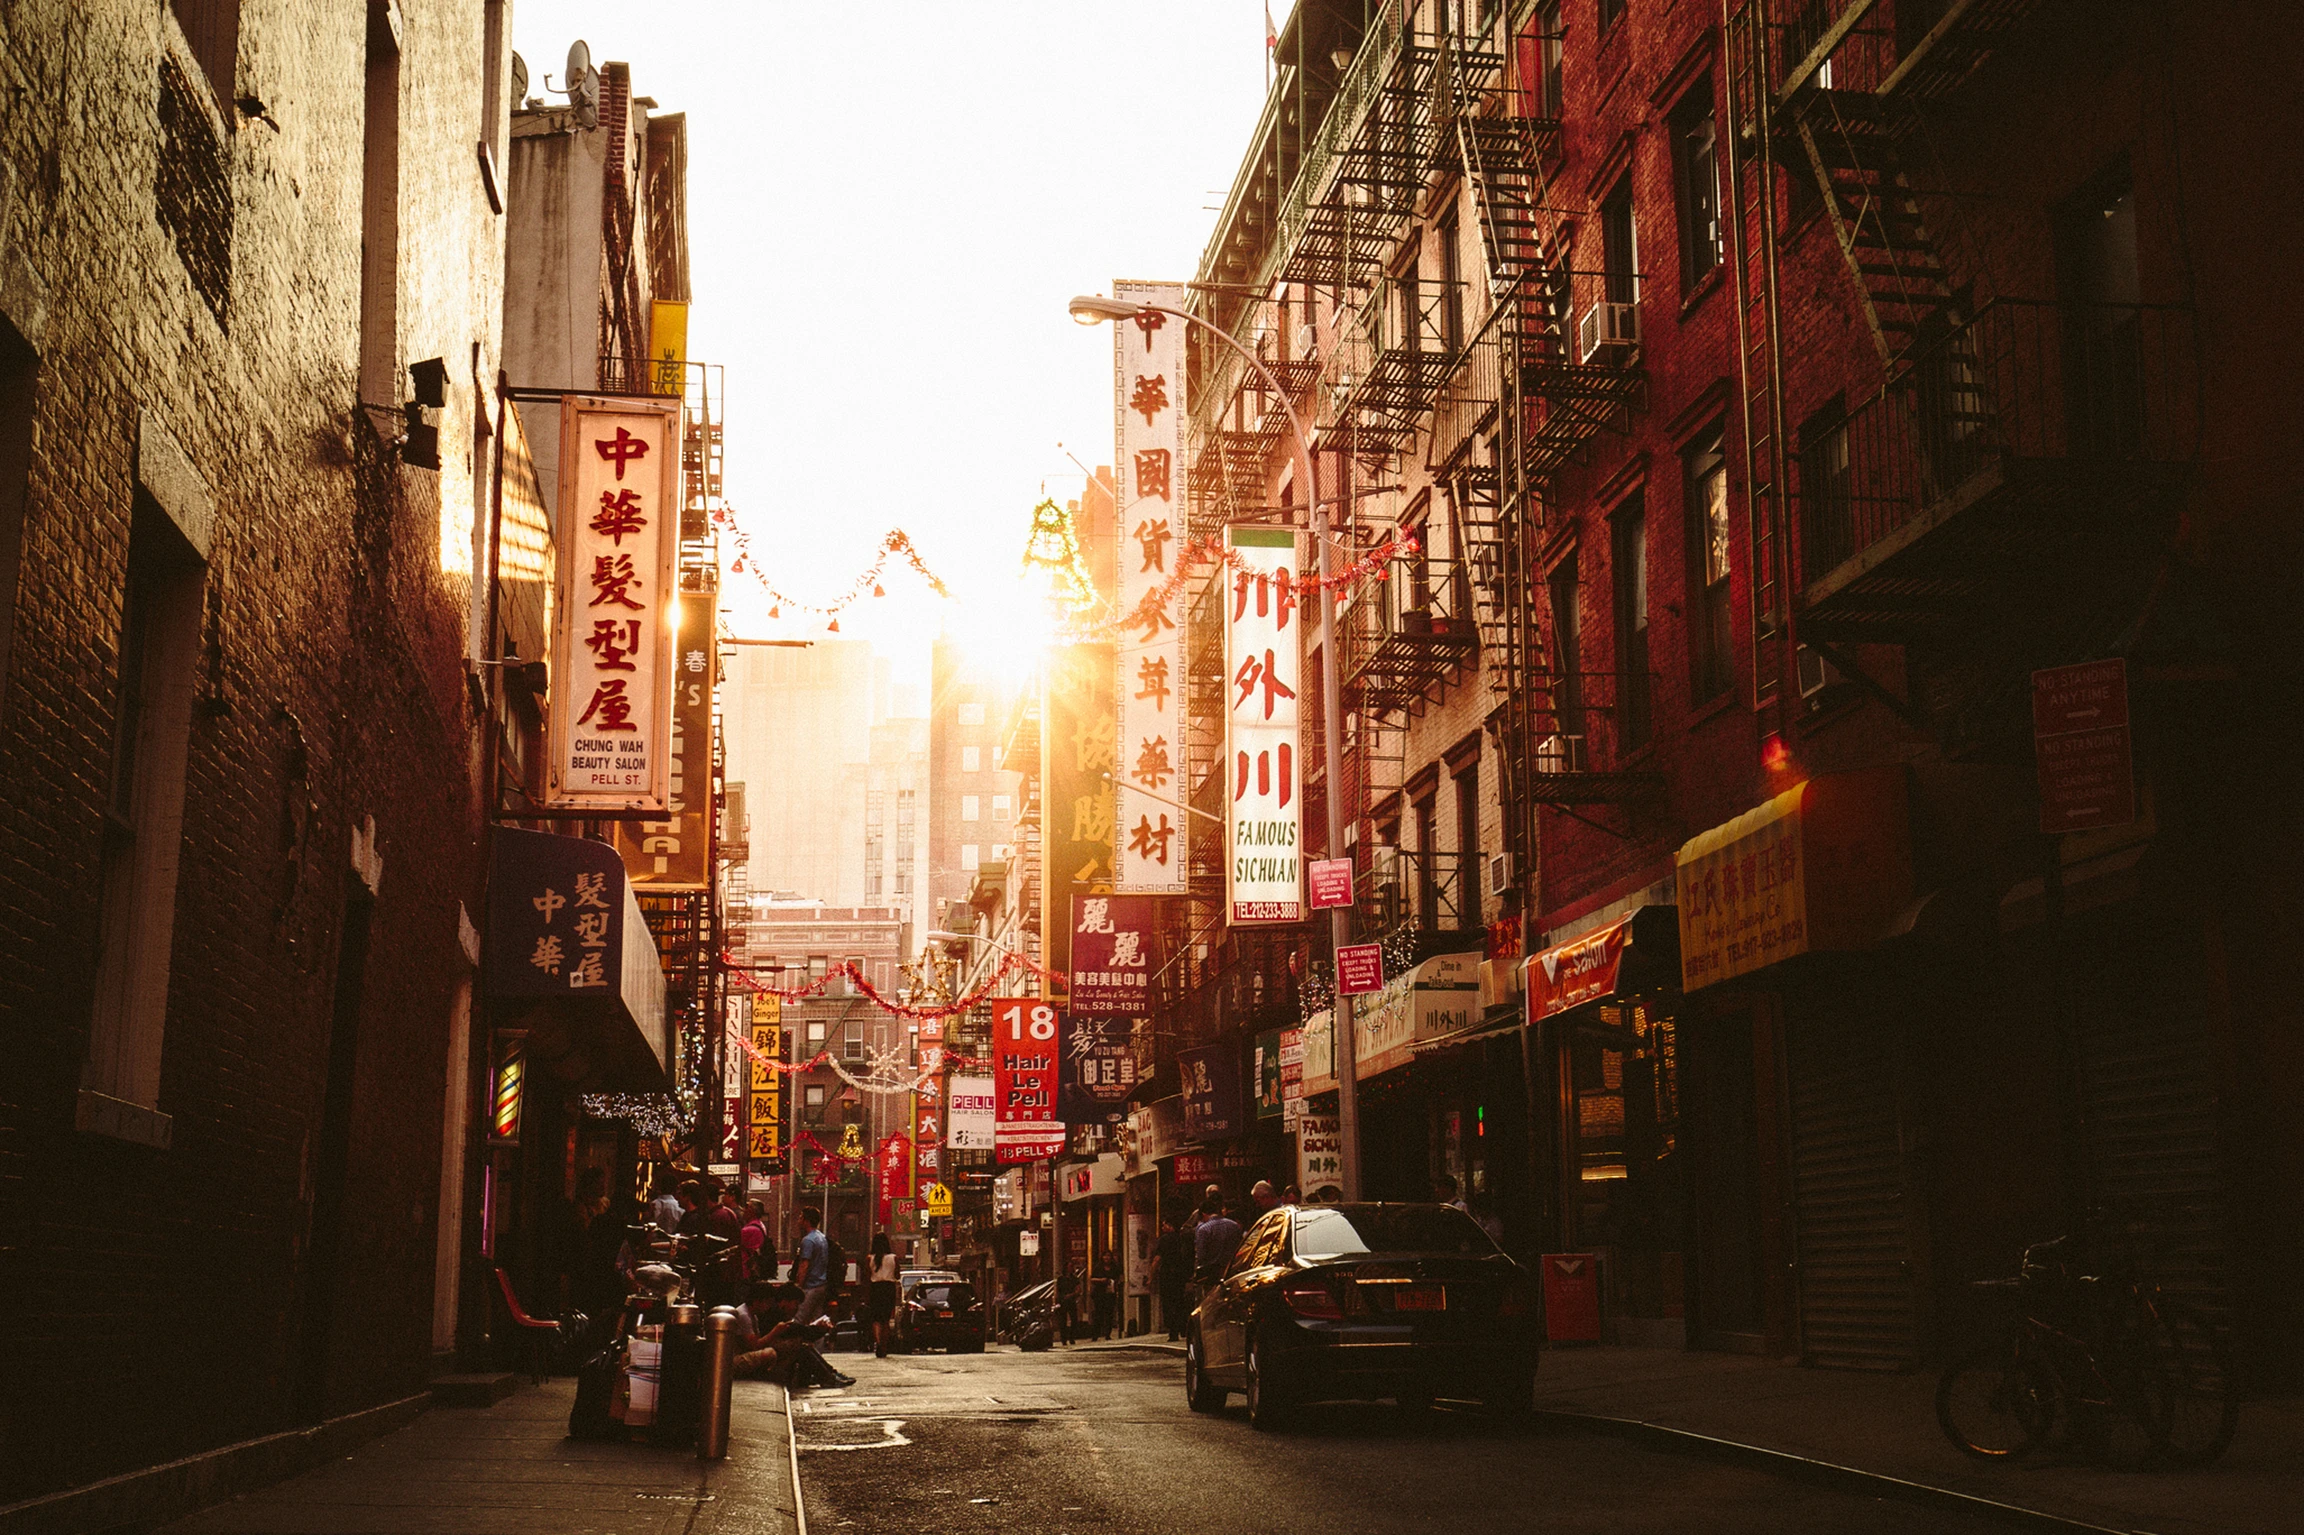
(1849,1427)
(509,1470)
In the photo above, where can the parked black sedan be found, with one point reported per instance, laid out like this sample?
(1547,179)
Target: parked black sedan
(1406,1301)
(941,1313)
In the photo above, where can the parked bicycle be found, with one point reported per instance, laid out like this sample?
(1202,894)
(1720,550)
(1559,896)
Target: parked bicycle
(2132,1375)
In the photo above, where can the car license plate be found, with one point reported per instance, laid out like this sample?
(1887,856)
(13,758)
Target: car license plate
(1420,1298)
(942,1315)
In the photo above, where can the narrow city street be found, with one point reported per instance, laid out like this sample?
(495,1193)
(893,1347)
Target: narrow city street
(1099,1440)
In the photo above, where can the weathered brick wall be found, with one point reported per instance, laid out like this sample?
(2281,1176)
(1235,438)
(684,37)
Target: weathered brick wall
(158,1291)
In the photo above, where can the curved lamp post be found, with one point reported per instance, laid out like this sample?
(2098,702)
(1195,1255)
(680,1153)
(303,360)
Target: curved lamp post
(1095,309)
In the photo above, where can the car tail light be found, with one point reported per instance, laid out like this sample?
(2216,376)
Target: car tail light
(1311,1298)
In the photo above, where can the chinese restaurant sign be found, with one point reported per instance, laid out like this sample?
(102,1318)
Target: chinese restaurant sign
(1743,895)
(675,853)
(1077,736)
(2081,746)
(1111,955)
(1148,409)
(1319,1152)
(1264,877)
(613,635)
(968,1121)
(1212,1107)
(1099,1070)
(1579,971)
(928,1108)
(1027,1045)
(764,1116)
(893,1172)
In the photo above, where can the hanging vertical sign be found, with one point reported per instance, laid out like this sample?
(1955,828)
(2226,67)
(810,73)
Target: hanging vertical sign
(675,853)
(1077,741)
(1148,415)
(928,1110)
(1112,955)
(1263,665)
(892,1175)
(764,1120)
(1027,1049)
(613,634)
(970,1114)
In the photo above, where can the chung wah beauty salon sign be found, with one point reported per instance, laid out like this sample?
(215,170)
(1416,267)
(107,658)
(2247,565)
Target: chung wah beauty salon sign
(613,635)
(1263,667)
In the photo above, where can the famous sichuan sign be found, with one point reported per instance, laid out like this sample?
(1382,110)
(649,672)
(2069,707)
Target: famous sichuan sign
(618,611)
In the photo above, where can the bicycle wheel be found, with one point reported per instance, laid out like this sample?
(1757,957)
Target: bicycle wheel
(2125,1424)
(2203,1400)
(1996,1401)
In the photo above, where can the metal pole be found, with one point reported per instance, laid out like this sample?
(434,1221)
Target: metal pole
(1332,752)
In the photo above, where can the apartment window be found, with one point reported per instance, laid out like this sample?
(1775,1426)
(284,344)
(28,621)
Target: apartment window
(1410,284)
(1628,567)
(1567,649)
(143,827)
(495,118)
(1705,474)
(1468,837)
(971,714)
(1619,261)
(1827,516)
(816,1037)
(1697,169)
(1550,35)
(1451,285)
(1001,808)
(851,1049)
(380,215)
(1802,34)
(856,968)
(971,806)
(819,965)
(971,759)
(212,28)
(970,857)
(872,882)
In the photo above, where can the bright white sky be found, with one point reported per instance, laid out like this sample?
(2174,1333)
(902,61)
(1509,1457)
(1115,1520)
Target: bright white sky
(888,206)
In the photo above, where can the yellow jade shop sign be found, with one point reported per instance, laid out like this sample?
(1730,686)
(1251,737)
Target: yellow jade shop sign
(1824,865)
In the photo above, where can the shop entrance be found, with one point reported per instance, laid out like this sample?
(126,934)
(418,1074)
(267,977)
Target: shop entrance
(1723,1126)
(1625,1198)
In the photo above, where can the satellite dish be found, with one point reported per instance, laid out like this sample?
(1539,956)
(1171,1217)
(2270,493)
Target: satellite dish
(519,78)
(579,66)
(581,85)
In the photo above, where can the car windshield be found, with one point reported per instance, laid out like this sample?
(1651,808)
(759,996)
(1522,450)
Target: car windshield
(946,1297)
(1336,1231)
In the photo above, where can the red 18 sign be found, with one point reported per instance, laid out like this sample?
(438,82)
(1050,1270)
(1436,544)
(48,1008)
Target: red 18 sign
(1027,1050)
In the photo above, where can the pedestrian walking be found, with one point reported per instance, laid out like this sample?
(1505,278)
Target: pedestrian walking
(880,1299)
(1214,1241)
(1067,1304)
(812,1265)
(759,1252)
(1172,1271)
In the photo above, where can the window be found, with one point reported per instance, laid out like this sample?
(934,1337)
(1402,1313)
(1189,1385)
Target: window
(1628,569)
(1549,36)
(971,759)
(971,714)
(143,827)
(851,1048)
(1619,261)
(1696,167)
(816,1037)
(970,857)
(971,807)
(1468,838)
(855,969)
(380,216)
(1705,474)
(819,965)
(1611,12)
(1567,649)
(1451,285)
(1827,520)
(1411,311)
(1001,809)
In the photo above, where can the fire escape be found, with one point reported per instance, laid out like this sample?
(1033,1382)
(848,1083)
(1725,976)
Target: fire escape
(2018,449)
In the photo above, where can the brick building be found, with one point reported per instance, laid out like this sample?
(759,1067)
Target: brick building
(1765,424)
(240,855)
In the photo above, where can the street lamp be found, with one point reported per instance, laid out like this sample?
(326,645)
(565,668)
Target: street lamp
(1095,309)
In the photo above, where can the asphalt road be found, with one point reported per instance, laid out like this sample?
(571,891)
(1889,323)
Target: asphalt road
(1099,1442)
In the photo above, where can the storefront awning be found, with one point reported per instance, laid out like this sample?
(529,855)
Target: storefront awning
(1638,952)
(571,954)
(1826,865)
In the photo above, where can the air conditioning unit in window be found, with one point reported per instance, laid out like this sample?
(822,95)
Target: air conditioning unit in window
(1560,754)
(1499,873)
(1608,333)
(1816,673)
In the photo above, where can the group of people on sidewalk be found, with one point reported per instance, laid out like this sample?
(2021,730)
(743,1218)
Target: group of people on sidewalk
(1193,1251)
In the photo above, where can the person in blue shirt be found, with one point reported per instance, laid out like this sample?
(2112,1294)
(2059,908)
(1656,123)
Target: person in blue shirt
(811,1266)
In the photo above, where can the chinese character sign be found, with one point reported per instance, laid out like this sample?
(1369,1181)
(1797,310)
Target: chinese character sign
(1027,1056)
(968,1118)
(1099,1070)
(675,853)
(1081,752)
(1112,961)
(1263,667)
(556,918)
(764,1118)
(613,638)
(893,1172)
(1744,894)
(1148,414)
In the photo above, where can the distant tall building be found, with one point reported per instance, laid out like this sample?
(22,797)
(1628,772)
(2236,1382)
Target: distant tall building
(895,817)
(972,800)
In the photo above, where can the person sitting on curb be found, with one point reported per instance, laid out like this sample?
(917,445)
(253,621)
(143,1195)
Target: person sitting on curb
(770,1345)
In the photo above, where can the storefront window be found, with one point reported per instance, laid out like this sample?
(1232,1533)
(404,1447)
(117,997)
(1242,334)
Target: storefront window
(1626,1201)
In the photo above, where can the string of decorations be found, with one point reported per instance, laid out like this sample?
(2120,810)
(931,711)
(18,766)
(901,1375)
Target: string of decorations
(1010,962)
(1154,607)
(898,544)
